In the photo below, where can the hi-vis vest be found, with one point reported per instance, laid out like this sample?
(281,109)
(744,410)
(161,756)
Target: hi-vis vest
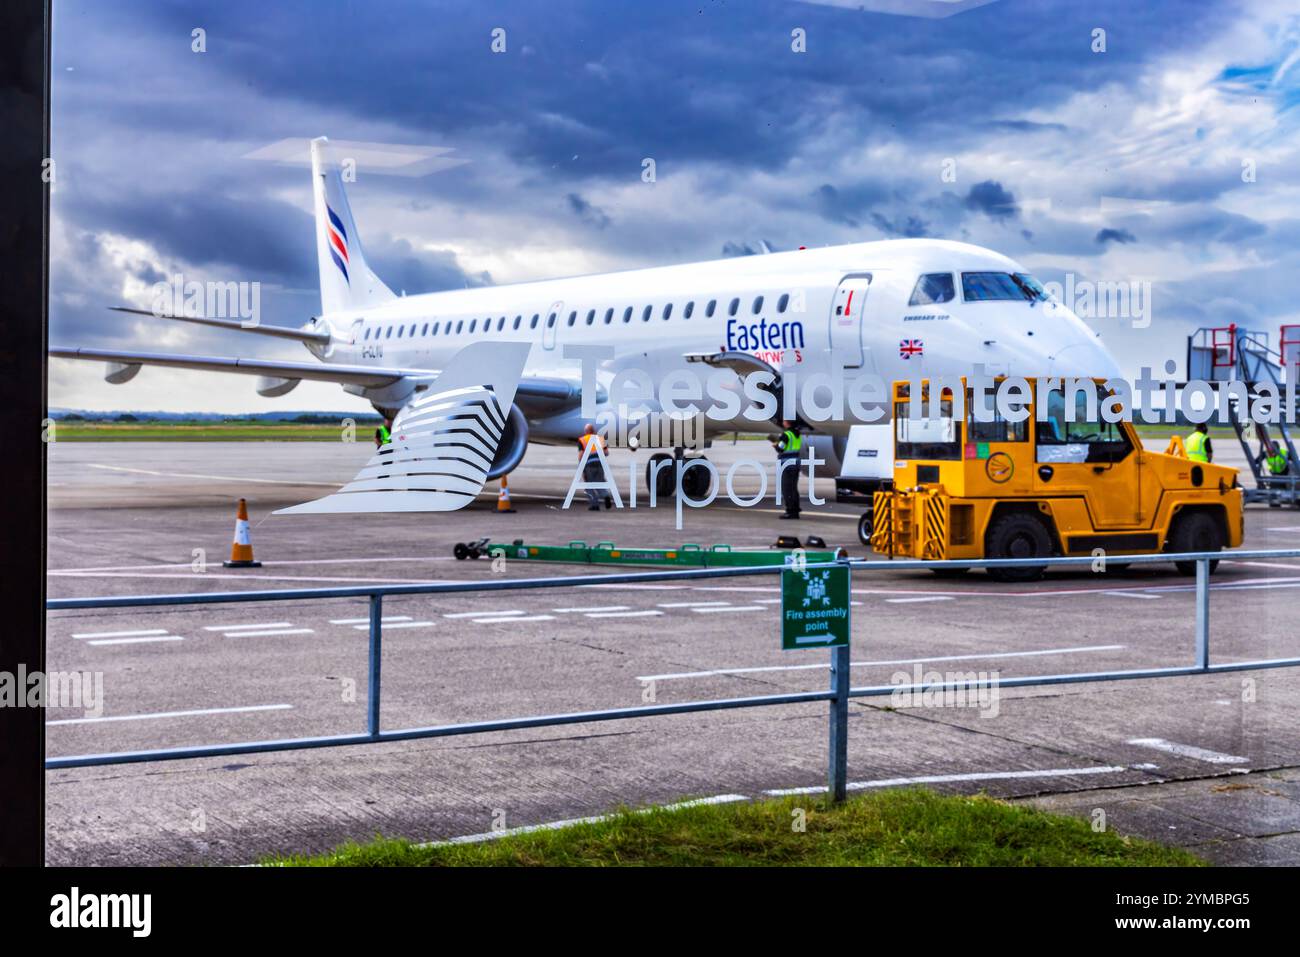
(791,442)
(1195,447)
(1277,461)
(384,435)
(587,438)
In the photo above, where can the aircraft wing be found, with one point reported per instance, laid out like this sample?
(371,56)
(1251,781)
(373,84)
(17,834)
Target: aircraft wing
(372,376)
(548,391)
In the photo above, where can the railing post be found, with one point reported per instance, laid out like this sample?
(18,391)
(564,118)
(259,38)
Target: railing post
(376,658)
(838,764)
(1203,613)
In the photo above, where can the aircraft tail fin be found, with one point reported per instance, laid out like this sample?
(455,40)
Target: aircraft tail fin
(346,282)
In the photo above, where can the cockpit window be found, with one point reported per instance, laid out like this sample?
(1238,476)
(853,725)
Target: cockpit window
(933,287)
(1033,288)
(990,286)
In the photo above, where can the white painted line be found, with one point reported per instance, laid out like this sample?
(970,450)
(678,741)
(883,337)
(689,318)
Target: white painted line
(397,624)
(954,778)
(271,631)
(808,513)
(248,577)
(568,611)
(366,621)
(623,614)
(480,614)
(689,604)
(502,621)
(134,641)
(119,634)
(595,819)
(214,478)
(1189,751)
(642,587)
(173,714)
(905,601)
(768,589)
(268,624)
(894,661)
(1283,528)
(715,611)
(367,560)
(1131,594)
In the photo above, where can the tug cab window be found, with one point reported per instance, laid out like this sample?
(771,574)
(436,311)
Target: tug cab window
(926,437)
(1089,438)
(933,287)
(998,429)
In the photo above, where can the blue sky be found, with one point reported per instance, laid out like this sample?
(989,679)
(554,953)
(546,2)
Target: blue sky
(1117,166)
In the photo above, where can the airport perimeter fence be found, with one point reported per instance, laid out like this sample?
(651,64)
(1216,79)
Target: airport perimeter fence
(837,694)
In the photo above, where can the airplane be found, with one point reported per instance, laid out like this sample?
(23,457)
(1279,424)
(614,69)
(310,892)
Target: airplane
(895,309)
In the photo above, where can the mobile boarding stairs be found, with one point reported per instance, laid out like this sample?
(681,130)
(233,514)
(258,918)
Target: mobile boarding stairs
(1220,354)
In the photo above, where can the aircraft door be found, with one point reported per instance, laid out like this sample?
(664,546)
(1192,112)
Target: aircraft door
(847,311)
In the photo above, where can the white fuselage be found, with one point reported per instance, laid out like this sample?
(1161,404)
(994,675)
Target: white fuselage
(787,309)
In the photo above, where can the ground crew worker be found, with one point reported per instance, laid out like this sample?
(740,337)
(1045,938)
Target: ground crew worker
(1274,455)
(1198,445)
(384,434)
(788,446)
(592,471)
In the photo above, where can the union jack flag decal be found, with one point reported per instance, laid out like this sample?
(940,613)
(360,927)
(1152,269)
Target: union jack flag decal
(337,237)
(911,347)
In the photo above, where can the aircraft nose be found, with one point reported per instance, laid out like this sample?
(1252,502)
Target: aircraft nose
(1083,359)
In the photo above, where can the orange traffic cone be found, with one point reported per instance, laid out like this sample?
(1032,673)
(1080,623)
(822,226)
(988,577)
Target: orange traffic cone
(503,498)
(241,550)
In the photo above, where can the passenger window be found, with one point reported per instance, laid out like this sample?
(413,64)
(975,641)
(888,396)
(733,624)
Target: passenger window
(783,302)
(689,310)
(573,316)
(367,335)
(708,310)
(627,314)
(435,328)
(550,321)
(933,287)
(668,310)
(591,316)
(645,314)
(735,304)
(472,323)
(460,324)
(609,315)
(758,305)
(389,333)
(501,323)
(518,319)
(533,324)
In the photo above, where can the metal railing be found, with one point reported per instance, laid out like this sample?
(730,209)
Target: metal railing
(837,694)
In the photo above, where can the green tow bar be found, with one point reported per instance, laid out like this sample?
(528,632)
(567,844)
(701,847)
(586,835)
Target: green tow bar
(689,555)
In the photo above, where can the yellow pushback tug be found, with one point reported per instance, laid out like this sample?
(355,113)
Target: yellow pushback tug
(971,489)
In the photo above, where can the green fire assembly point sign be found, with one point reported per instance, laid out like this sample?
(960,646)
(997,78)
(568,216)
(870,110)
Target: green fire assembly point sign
(814,608)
